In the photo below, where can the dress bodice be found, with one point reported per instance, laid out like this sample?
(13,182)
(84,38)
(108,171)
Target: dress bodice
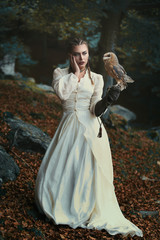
(80,98)
(77,96)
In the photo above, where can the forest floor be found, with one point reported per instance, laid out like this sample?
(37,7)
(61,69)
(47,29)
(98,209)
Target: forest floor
(135,157)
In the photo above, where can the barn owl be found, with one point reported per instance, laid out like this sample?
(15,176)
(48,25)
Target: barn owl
(115,70)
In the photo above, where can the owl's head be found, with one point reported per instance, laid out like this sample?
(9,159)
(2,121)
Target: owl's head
(110,57)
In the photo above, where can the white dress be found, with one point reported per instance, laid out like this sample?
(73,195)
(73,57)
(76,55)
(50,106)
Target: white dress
(74,185)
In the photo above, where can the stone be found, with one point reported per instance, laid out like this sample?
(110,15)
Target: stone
(18,76)
(45,87)
(27,137)
(149,213)
(32,80)
(7,65)
(154,134)
(144,178)
(112,121)
(9,170)
(122,111)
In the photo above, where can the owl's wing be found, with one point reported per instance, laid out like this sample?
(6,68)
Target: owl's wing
(118,72)
(122,68)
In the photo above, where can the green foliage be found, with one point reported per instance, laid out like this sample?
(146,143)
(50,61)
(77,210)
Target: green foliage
(65,18)
(139,31)
(56,18)
(10,43)
(139,38)
(17,51)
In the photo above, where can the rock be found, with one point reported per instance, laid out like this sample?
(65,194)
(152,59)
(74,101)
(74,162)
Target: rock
(7,65)
(114,121)
(149,213)
(144,178)
(9,170)
(32,80)
(26,136)
(154,134)
(124,112)
(18,76)
(45,87)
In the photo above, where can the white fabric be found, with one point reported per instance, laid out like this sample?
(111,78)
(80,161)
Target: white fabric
(74,185)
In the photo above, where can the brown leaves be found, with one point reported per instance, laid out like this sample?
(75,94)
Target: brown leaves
(134,156)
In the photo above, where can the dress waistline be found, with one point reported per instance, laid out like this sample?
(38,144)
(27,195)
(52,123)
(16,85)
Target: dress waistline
(67,110)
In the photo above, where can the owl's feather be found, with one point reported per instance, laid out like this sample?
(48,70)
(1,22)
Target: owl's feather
(115,70)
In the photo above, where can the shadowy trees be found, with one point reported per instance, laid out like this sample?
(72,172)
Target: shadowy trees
(11,46)
(130,28)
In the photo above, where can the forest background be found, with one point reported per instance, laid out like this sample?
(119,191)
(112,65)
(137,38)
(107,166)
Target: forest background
(35,33)
(33,39)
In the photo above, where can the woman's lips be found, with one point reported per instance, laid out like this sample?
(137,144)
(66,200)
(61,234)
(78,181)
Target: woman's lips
(81,63)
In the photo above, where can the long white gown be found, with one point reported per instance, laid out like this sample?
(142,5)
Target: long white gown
(74,185)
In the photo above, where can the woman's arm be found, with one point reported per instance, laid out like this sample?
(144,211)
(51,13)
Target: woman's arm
(110,97)
(99,104)
(64,83)
(98,90)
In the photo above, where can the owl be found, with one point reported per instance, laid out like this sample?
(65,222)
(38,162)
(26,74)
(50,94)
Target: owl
(115,70)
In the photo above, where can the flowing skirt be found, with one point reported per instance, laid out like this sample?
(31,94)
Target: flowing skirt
(74,185)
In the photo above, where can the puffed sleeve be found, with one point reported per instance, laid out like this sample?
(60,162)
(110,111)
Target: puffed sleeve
(64,83)
(98,90)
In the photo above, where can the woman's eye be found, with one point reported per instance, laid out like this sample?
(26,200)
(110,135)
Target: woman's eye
(75,54)
(84,53)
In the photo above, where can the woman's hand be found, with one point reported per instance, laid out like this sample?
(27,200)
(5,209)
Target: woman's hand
(74,66)
(112,94)
(110,97)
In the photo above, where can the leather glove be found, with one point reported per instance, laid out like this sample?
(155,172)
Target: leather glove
(110,97)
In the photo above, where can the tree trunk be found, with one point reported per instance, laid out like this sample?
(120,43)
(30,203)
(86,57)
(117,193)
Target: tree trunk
(109,31)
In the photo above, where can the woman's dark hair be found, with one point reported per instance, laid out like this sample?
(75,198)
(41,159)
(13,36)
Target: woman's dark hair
(76,42)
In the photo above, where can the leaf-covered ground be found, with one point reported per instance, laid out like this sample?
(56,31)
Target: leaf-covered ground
(134,156)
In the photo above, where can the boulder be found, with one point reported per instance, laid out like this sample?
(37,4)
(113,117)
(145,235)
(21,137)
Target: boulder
(32,80)
(144,178)
(114,120)
(45,87)
(124,112)
(9,170)
(149,213)
(27,137)
(154,134)
(7,65)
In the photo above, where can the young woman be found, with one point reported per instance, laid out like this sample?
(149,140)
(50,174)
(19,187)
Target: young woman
(74,185)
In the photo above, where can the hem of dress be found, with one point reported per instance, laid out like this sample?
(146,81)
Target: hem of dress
(130,233)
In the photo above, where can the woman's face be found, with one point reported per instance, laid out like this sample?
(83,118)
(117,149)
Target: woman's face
(81,55)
